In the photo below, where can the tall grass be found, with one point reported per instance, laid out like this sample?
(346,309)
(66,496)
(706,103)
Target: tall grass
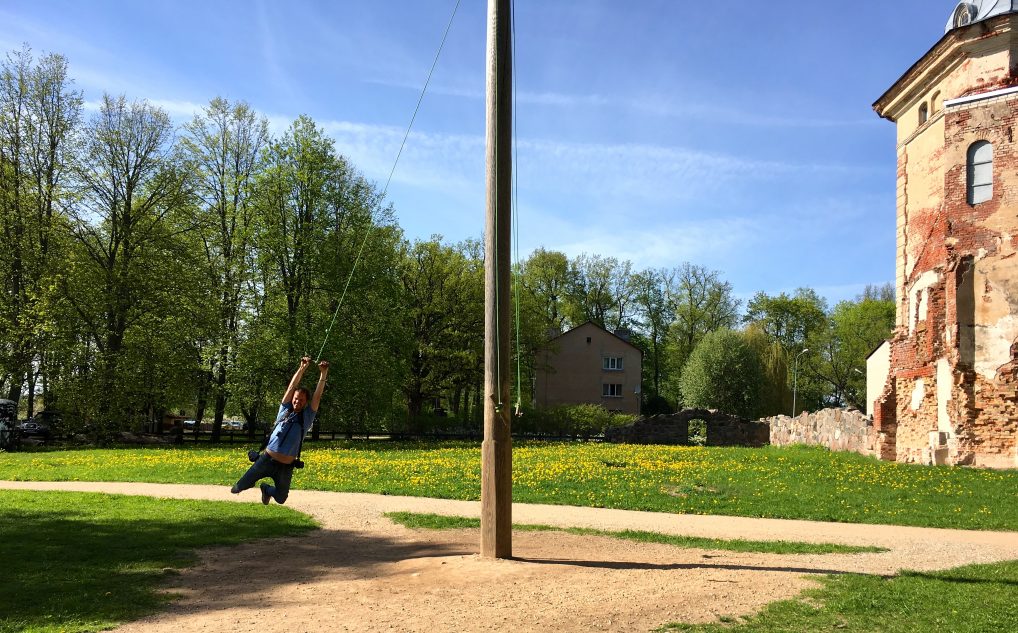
(794,483)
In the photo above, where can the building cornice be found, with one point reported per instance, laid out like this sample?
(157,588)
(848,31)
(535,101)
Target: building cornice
(945,55)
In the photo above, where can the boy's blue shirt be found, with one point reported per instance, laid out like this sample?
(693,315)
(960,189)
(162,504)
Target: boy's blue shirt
(290,428)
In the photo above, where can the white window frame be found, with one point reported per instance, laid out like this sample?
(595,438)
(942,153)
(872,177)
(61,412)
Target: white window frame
(611,390)
(612,363)
(979,172)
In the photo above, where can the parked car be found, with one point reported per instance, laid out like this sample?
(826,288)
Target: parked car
(234,425)
(189,425)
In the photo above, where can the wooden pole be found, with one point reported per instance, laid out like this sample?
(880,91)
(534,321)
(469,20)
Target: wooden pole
(496,450)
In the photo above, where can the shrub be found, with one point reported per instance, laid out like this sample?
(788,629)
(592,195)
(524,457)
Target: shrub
(723,373)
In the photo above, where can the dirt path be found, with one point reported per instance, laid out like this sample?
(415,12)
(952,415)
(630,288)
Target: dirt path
(363,573)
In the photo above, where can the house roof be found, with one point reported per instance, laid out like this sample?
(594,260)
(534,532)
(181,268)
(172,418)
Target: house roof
(600,328)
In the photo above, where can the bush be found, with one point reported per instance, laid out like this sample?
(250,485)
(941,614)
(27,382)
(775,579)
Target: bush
(581,420)
(723,373)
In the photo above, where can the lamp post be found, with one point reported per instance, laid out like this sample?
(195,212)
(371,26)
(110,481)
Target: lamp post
(795,378)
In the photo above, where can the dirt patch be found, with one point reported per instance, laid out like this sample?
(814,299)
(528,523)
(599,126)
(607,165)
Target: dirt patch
(364,573)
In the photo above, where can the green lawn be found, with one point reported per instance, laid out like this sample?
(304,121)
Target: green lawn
(441,522)
(86,562)
(974,599)
(795,483)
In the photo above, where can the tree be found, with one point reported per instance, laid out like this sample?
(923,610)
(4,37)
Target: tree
(775,393)
(222,146)
(789,320)
(443,297)
(723,373)
(856,329)
(130,185)
(600,292)
(702,303)
(655,313)
(39,112)
(547,278)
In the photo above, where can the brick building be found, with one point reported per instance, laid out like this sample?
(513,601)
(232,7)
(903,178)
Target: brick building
(589,364)
(950,394)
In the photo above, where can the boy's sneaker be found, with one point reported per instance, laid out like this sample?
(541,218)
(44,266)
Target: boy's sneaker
(235,490)
(266,495)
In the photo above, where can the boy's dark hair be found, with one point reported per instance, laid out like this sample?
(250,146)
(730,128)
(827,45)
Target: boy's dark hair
(307,392)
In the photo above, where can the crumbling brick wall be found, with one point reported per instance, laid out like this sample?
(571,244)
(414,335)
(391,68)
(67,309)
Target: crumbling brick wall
(954,387)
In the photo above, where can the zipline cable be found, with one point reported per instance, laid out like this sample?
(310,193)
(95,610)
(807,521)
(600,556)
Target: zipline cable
(385,190)
(516,216)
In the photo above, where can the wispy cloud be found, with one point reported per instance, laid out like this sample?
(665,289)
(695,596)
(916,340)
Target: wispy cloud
(648,245)
(178,110)
(270,52)
(655,105)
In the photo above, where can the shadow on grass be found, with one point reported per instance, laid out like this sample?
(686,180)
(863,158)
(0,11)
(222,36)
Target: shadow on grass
(85,562)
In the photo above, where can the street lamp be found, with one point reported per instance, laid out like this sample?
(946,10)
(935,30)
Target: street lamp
(795,378)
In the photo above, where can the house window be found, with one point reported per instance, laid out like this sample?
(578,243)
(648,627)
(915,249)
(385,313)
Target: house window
(609,390)
(933,103)
(924,113)
(612,363)
(980,172)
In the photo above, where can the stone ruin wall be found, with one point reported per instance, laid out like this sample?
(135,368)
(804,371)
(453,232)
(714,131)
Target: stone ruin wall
(836,429)
(722,429)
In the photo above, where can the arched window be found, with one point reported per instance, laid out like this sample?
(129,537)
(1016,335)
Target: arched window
(980,172)
(924,113)
(933,103)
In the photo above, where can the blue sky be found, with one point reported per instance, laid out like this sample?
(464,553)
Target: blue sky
(736,135)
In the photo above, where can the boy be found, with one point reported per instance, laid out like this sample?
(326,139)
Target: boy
(292,424)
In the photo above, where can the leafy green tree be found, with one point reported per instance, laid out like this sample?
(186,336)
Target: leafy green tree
(546,278)
(39,113)
(316,219)
(794,321)
(789,320)
(600,291)
(442,291)
(775,393)
(724,373)
(131,186)
(702,303)
(856,329)
(222,147)
(654,315)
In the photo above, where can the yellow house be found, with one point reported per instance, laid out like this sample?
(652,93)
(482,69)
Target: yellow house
(589,365)
(948,381)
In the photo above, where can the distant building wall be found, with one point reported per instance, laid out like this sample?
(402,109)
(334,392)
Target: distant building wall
(878,368)
(576,367)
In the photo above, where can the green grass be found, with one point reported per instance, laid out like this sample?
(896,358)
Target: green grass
(791,483)
(974,599)
(440,522)
(87,562)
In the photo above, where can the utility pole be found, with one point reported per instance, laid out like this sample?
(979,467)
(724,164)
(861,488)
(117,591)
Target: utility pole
(497,450)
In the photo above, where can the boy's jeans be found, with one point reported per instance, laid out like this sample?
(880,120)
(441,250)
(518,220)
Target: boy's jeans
(265,466)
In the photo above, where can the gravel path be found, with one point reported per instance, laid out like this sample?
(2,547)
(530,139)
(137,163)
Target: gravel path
(363,573)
